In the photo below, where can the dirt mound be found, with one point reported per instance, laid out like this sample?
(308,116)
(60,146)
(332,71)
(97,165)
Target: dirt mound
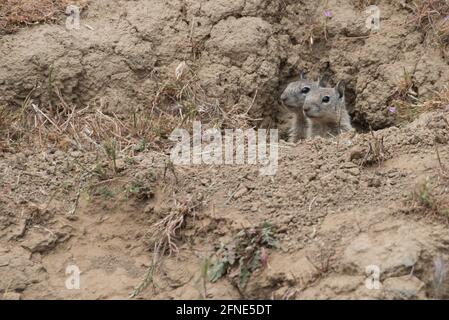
(334,217)
(332,214)
(240,51)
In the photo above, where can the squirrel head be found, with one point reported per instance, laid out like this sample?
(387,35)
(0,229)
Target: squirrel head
(325,104)
(296,92)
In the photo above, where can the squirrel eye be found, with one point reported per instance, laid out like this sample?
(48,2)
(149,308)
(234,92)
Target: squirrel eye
(326,99)
(305,90)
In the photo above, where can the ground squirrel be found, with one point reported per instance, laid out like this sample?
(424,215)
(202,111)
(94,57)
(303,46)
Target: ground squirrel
(325,111)
(293,98)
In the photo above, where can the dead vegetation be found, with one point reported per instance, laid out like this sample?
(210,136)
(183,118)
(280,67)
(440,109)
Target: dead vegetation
(163,235)
(432,16)
(316,28)
(182,100)
(363,4)
(430,198)
(67,127)
(142,186)
(427,12)
(406,105)
(374,151)
(176,103)
(315,32)
(403,102)
(247,252)
(439,101)
(18,13)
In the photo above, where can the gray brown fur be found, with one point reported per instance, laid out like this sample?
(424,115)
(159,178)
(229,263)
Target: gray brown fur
(293,98)
(325,111)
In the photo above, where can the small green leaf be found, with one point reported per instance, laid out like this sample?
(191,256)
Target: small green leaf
(255,261)
(218,270)
(243,276)
(268,237)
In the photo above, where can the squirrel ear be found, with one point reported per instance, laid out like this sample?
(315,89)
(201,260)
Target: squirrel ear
(302,76)
(340,88)
(320,82)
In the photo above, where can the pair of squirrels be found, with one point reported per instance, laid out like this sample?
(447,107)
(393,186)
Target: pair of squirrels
(317,110)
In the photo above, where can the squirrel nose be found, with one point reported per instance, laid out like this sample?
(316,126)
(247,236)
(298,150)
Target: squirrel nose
(306,108)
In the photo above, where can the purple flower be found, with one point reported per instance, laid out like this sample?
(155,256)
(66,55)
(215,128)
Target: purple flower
(446,18)
(327,13)
(392,109)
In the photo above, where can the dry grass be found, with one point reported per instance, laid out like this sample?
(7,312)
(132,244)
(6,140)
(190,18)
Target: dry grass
(65,126)
(183,99)
(408,106)
(404,98)
(375,151)
(427,12)
(439,101)
(162,237)
(363,4)
(316,27)
(432,16)
(176,103)
(315,31)
(16,13)
(430,198)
